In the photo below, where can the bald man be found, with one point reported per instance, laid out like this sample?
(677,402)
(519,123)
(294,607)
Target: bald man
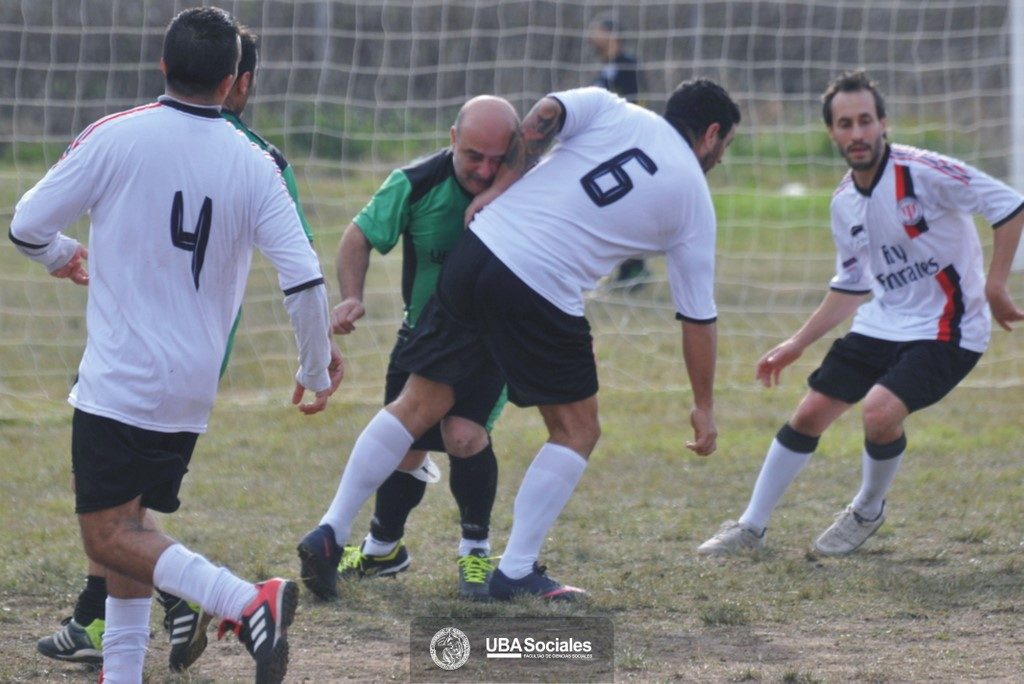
(423,205)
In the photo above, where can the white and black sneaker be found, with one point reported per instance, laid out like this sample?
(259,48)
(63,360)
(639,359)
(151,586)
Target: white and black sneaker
(186,625)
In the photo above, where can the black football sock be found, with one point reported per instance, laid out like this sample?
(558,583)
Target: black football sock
(474,483)
(396,498)
(92,602)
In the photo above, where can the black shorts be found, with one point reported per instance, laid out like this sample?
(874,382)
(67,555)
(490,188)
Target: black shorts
(113,463)
(483,316)
(479,398)
(920,373)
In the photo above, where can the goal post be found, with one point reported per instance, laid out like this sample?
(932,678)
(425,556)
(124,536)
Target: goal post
(350,89)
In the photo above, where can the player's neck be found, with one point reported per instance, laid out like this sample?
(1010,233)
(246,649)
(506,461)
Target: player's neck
(197,100)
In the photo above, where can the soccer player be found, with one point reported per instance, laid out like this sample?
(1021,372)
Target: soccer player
(423,205)
(622,182)
(904,234)
(80,638)
(178,199)
(620,74)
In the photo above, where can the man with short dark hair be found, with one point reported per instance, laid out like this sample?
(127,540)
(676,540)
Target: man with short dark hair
(161,303)
(623,182)
(80,637)
(904,233)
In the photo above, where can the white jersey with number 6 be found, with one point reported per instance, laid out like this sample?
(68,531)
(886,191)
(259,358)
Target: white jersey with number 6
(177,200)
(621,183)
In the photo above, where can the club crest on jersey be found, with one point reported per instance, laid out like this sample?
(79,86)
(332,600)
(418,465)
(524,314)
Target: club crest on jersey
(911,211)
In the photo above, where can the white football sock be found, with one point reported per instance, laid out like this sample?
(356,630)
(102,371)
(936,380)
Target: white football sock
(467,545)
(781,466)
(379,449)
(125,639)
(375,547)
(876,479)
(546,488)
(188,575)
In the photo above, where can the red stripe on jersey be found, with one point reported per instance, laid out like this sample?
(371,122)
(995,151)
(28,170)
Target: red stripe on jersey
(110,117)
(909,208)
(945,166)
(953,311)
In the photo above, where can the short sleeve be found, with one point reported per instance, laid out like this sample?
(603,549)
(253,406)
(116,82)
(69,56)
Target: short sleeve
(959,187)
(386,215)
(582,106)
(853,273)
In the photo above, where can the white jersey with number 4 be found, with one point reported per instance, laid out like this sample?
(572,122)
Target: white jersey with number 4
(621,183)
(177,199)
(911,240)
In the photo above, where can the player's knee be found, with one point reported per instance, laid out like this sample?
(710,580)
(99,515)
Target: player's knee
(463,438)
(581,437)
(96,540)
(881,424)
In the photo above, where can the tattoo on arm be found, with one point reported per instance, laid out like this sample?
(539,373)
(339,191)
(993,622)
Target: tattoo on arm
(539,128)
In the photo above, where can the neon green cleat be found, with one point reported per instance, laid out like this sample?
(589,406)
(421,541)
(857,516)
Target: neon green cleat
(475,571)
(358,565)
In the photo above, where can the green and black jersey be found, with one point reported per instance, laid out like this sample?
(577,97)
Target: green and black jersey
(293,190)
(423,205)
(282,164)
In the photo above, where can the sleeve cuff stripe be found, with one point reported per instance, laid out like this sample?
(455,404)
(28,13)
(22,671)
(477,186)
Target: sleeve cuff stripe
(1012,214)
(22,243)
(698,321)
(303,286)
(853,292)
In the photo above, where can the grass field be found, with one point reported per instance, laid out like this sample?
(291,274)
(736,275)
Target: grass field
(936,595)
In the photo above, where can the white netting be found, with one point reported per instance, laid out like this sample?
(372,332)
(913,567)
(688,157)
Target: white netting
(349,90)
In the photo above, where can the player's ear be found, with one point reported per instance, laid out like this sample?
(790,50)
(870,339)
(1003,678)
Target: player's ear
(243,83)
(224,89)
(451,135)
(706,140)
(163,67)
(711,134)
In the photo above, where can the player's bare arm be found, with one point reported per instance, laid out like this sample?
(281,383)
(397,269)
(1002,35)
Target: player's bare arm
(528,144)
(835,308)
(1005,240)
(351,266)
(700,344)
(539,129)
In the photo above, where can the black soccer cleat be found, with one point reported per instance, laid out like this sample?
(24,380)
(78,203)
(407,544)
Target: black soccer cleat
(319,555)
(186,625)
(537,583)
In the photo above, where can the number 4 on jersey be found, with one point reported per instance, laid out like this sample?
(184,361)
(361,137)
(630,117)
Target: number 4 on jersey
(194,242)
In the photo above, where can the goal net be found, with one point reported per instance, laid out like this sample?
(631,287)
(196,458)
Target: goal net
(351,89)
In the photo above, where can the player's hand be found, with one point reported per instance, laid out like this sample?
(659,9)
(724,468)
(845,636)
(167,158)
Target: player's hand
(1004,311)
(478,203)
(345,315)
(705,434)
(771,364)
(74,270)
(336,371)
(336,368)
